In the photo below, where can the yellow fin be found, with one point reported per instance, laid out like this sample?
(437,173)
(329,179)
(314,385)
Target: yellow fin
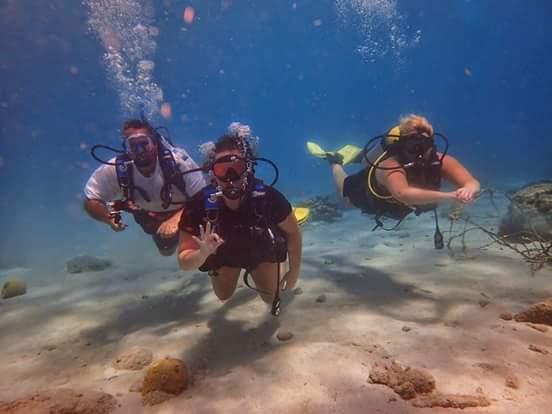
(301,214)
(349,153)
(316,150)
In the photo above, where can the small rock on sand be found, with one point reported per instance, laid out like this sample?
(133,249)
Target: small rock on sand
(321,299)
(406,329)
(507,316)
(284,335)
(298,291)
(483,303)
(512,381)
(535,348)
(81,264)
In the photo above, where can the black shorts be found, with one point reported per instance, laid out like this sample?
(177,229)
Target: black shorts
(355,189)
(150,222)
(248,255)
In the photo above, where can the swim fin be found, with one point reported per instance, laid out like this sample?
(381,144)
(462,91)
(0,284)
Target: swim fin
(351,154)
(345,155)
(302,214)
(316,150)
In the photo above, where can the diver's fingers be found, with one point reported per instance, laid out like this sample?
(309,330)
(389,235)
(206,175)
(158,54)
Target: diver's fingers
(197,240)
(208,228)
(215,239)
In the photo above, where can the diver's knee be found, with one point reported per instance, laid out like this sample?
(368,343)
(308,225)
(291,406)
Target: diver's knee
(166,252)
(224,296)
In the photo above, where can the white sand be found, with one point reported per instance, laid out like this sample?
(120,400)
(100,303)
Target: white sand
(68,329)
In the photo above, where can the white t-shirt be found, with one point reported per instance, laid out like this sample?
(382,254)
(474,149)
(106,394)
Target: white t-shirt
(103,184)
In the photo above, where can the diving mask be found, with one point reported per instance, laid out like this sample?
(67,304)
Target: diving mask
(140,143)
(229,168)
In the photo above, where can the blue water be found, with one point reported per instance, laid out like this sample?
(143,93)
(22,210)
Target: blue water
(479,70)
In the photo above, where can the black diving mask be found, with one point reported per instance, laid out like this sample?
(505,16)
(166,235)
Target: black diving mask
(416,149)
(139,143)
(141,148)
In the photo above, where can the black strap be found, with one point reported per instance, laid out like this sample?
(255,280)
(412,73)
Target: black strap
(276,304)
(125,178)
(379,223)
(171,175)
(438,241)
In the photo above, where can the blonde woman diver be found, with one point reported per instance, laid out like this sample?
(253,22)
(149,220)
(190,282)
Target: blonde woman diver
(402,173)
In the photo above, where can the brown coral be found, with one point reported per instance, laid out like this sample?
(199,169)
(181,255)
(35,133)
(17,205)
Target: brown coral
(167,376)
(539,313)
(62,401)
(406,382)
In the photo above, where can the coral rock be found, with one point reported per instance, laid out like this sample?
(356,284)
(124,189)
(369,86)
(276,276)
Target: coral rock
(539,313)
(507,316)
(81,264)
(167,376)
(530,214)
(13,287)
(406,382)
(62,401)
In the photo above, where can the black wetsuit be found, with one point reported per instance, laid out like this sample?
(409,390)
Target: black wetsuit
(355,188)
(246,240)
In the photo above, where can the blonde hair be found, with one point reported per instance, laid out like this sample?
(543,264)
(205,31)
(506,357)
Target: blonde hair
(415,125)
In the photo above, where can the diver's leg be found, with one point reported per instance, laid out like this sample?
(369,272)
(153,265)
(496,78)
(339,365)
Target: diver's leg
(339,176)
(265,276)
(166,246)
(224,281)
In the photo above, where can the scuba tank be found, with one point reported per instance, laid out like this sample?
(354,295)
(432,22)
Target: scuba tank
(376,148)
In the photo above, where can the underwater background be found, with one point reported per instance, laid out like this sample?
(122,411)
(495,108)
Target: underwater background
(336,71)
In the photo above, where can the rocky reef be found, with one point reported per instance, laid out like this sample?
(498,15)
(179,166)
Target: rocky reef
(322,208)
(529,216)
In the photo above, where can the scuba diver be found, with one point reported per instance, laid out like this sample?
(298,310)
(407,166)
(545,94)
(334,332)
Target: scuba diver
(239,222)
(402,174)
(145,179)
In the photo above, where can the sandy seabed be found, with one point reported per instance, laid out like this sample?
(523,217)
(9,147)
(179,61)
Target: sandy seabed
(387,294)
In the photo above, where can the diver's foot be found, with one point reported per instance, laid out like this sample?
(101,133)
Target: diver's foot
(334,158)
